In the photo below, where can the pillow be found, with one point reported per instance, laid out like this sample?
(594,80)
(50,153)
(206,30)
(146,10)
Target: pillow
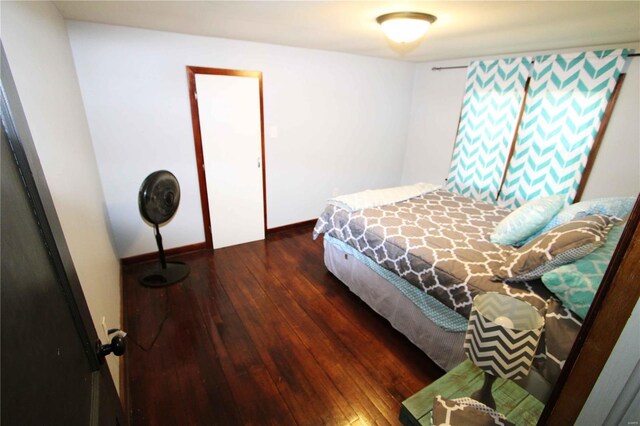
(464,412)
(527,219)
(558,246)
(576,284)
(612,206)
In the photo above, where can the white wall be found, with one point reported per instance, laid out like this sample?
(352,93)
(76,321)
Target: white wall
(341,120)
(37,47)
(435,110)
(612,395)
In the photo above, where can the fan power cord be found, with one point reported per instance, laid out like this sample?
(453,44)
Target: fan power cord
(167,311)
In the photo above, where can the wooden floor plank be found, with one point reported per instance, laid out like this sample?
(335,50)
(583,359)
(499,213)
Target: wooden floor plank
(317,275)
(281,351)
(181,359)
(333,324)
(330,354)
(200,373)
(255,392)
(262,333)
(405,377)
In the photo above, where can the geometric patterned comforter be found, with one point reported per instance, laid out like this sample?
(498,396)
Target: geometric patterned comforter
(439,242)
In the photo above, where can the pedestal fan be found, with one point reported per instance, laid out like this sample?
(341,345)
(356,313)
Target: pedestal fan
(158,201)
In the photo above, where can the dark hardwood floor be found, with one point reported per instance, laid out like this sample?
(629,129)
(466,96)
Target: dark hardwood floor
(262,333)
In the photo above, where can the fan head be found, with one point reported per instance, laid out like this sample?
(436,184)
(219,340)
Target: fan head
(159,197)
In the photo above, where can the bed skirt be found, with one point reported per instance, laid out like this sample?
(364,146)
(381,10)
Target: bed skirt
(443,347)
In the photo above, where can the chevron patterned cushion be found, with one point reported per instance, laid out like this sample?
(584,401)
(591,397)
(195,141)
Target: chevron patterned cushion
(561,245)
(527,219)
(576,284)
(464,411)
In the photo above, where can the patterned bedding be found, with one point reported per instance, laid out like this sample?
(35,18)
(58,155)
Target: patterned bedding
(439,242)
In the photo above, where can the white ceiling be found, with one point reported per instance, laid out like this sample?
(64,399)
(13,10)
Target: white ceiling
(463,29)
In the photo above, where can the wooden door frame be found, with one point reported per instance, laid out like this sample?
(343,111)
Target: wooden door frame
(197,139)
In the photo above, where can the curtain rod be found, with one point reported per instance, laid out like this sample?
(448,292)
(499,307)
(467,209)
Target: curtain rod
(630,55)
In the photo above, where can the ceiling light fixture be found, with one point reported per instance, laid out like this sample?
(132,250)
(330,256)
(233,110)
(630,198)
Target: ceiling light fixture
(405,27)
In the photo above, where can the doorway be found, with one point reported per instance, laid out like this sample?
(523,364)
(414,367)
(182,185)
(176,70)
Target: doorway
(228,126)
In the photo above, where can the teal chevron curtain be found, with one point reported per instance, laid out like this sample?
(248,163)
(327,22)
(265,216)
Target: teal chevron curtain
(493,98)
(565,104)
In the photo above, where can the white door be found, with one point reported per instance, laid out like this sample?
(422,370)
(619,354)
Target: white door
(230,127)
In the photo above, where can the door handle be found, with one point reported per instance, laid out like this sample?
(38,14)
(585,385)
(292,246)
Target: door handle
(118,345)
(259,162)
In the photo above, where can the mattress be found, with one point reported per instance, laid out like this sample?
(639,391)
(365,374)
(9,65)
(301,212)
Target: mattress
(430,307)
(439,242)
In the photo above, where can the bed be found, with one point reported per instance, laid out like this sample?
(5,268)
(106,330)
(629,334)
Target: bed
(420,261)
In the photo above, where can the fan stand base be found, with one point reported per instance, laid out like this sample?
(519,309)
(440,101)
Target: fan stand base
(162,277)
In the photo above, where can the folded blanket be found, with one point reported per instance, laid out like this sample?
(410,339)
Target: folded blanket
(379,197)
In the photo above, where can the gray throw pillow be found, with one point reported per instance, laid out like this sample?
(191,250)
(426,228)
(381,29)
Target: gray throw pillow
(558,246)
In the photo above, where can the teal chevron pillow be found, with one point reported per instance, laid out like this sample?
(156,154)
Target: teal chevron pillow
(576,284)
(612,206)
(527,219)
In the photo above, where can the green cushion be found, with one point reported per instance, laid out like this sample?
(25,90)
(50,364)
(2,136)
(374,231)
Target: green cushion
(576,284)
(527,219)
